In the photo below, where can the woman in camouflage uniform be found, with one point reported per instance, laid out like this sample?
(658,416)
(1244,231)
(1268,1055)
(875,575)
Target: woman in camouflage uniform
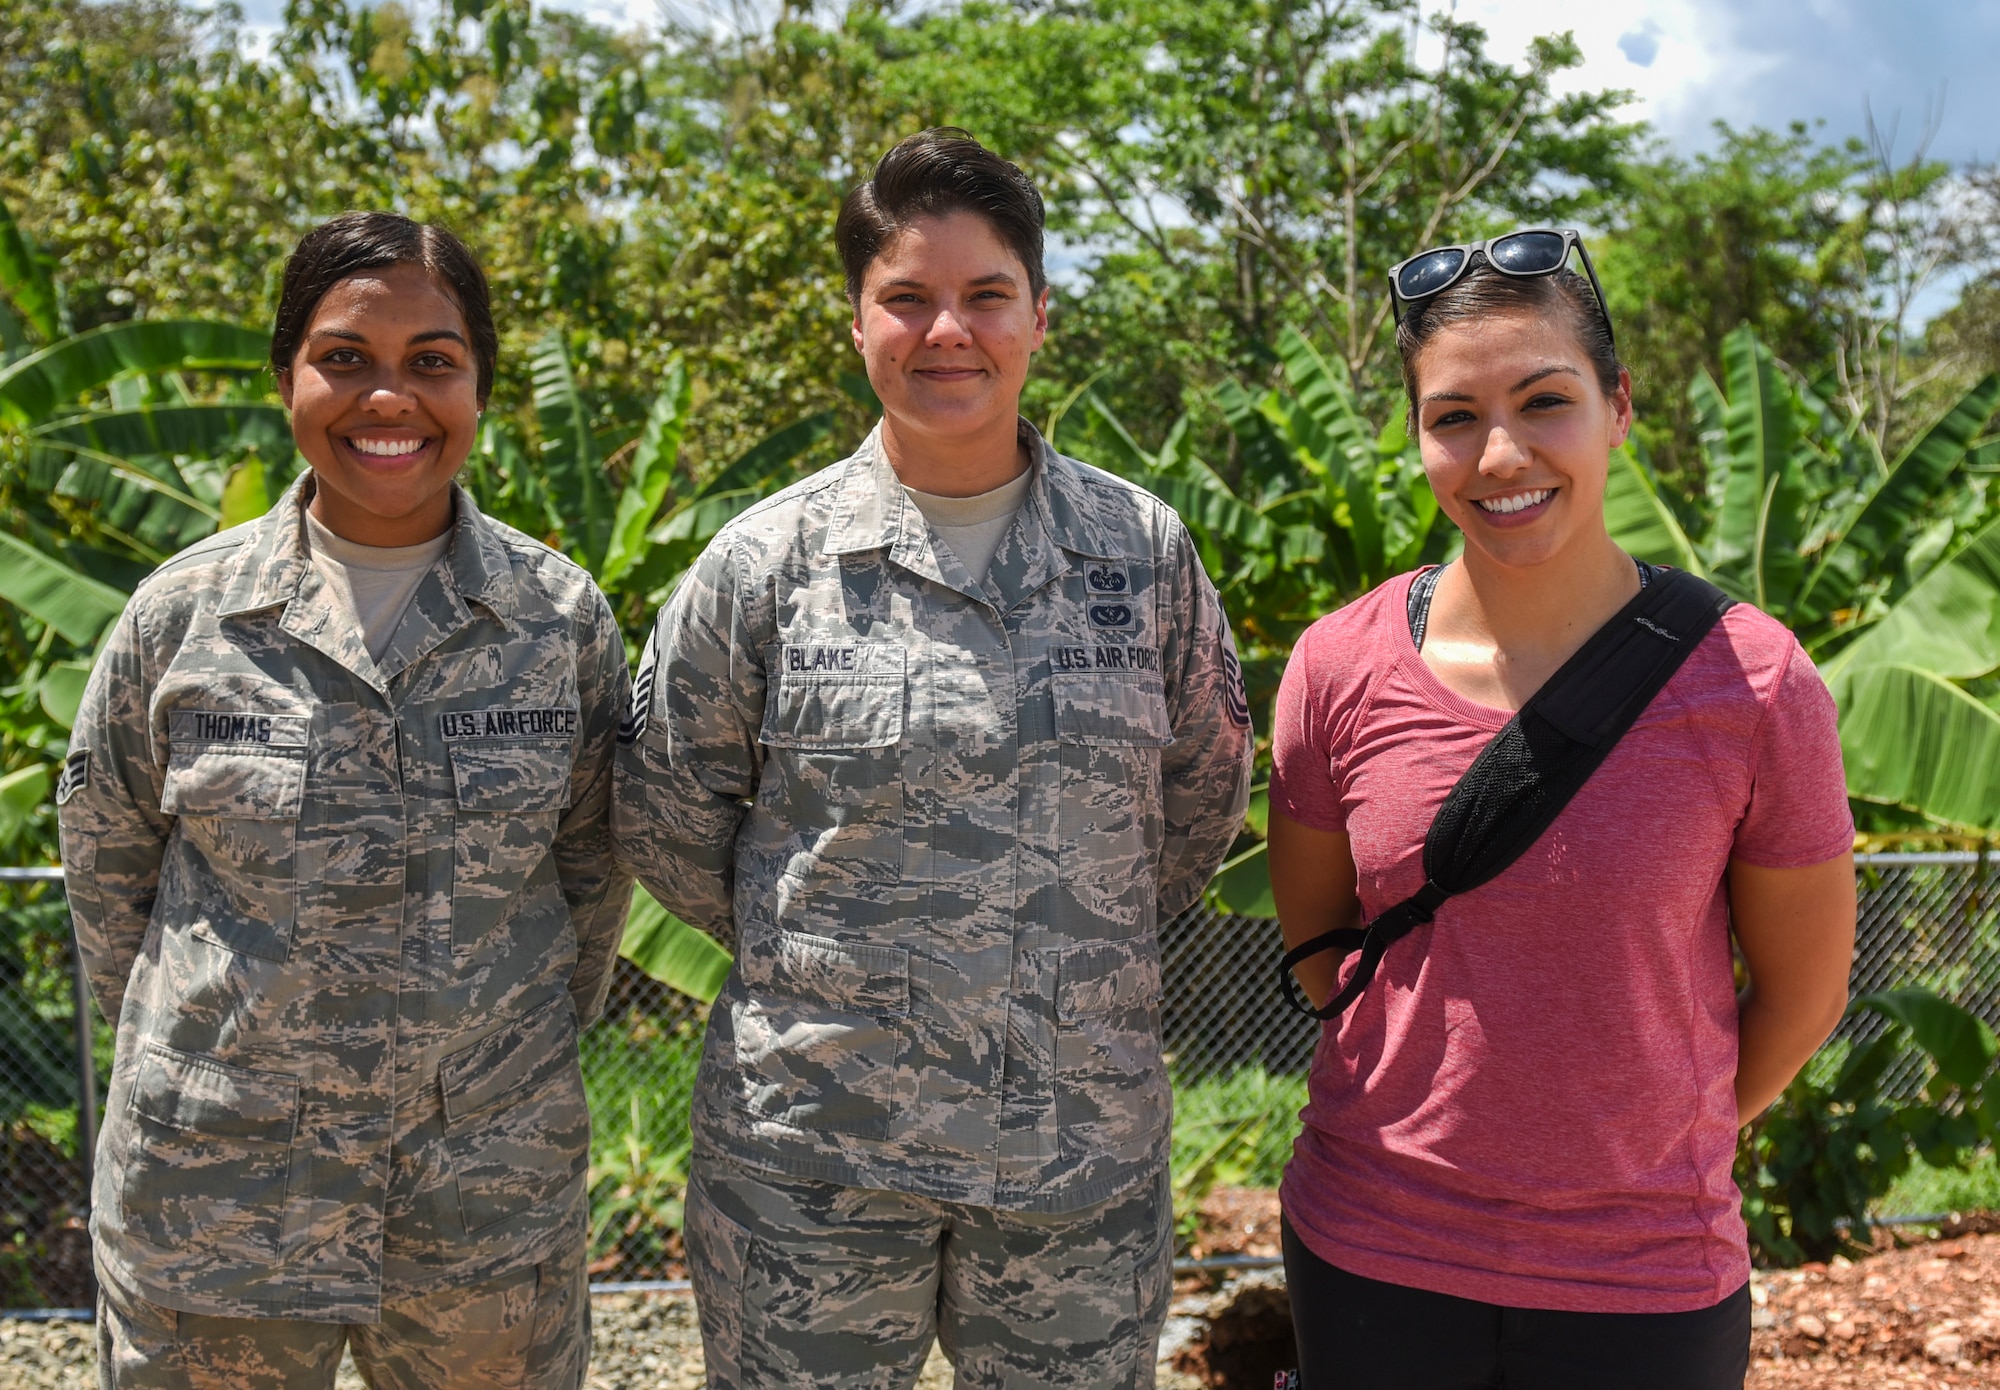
(334,826)
(938,737)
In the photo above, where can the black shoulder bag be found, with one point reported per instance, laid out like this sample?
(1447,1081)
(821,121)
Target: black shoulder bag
(1521,781)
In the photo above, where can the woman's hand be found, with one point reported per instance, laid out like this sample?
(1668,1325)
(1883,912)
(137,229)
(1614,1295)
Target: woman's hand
(1795,928)
(1313,882)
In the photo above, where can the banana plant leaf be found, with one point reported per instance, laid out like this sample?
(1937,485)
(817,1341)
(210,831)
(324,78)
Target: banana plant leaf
(1639,520)
(1270,467)
(60,691)
(652,473)
(1882,522)
(698,521)
(34,388)
(1911,738)
(246,495)
(1329,430)
(206,431)
(570,459)
(25,279)
(1243,885)
(21,791)
(1755,548)
(771,456)
(1211,511)
(1959,1042)
(74,604)
(671,951)
(1947,624)
(145,503)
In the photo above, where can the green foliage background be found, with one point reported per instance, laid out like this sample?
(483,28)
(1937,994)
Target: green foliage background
(1227,181)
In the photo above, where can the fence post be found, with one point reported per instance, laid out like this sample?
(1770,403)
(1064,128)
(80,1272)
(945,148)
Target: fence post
(86,1072)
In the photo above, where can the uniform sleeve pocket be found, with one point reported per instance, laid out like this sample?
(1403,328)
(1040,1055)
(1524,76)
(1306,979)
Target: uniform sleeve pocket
(516,1123)
(848,974)
(199,1095)
(1106,978)
(1100,707)
(512,777)
(847,696)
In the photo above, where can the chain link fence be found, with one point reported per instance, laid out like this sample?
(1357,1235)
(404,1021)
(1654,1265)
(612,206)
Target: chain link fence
(1926,919)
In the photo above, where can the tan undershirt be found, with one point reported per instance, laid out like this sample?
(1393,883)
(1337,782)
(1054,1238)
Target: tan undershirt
(973,526)
(374,582)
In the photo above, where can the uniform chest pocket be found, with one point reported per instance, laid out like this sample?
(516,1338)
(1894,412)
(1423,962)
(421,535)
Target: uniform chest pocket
(510,797)
(1111,727)
(833,725)
(238,807)
(836,696)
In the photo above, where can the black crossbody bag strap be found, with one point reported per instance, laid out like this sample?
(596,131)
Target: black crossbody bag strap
(1522,780)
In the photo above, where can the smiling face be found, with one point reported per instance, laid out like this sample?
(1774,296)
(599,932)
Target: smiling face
(384,395)
(1517,434)
(946,323)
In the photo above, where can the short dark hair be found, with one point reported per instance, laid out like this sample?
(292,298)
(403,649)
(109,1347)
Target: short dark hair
(357,241)
(1484,292)
(935,173)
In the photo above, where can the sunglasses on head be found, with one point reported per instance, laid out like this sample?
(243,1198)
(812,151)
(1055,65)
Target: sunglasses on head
(1523,254)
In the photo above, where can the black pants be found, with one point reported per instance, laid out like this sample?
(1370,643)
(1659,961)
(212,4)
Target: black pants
(1360,1334)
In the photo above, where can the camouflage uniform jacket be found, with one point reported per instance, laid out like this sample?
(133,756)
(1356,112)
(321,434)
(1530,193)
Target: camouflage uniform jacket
(942,820)
(348,918)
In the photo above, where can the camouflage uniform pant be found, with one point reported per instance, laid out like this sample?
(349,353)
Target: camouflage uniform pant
(527,1330)
(815,1284)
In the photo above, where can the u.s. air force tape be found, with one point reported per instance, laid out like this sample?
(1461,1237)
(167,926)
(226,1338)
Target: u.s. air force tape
(1105,656)
(508,722)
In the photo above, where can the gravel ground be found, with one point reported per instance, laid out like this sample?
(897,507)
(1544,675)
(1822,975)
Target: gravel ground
(640,1342)
(1926,1317)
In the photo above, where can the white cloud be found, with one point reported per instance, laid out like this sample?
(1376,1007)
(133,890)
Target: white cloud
(1690,63)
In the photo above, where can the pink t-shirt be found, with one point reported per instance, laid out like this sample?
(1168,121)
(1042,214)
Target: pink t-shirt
(1533,1104)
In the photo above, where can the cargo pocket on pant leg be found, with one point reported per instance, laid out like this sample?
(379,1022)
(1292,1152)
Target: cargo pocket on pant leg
(718,1261)
(1153,1285)
(559,1348)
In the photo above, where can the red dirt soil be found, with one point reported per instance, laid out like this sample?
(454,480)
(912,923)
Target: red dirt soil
(1923,1314)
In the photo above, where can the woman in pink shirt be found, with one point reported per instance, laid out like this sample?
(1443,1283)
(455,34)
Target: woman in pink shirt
(1515,1168)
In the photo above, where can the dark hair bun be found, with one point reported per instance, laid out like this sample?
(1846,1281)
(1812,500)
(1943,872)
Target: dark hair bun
(357,241)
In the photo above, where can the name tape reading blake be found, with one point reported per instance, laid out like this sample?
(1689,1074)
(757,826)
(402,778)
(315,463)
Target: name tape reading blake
(1105,658)
(841,659)
(508,723)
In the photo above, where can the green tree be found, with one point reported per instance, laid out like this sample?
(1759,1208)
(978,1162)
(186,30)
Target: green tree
(1700,245)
